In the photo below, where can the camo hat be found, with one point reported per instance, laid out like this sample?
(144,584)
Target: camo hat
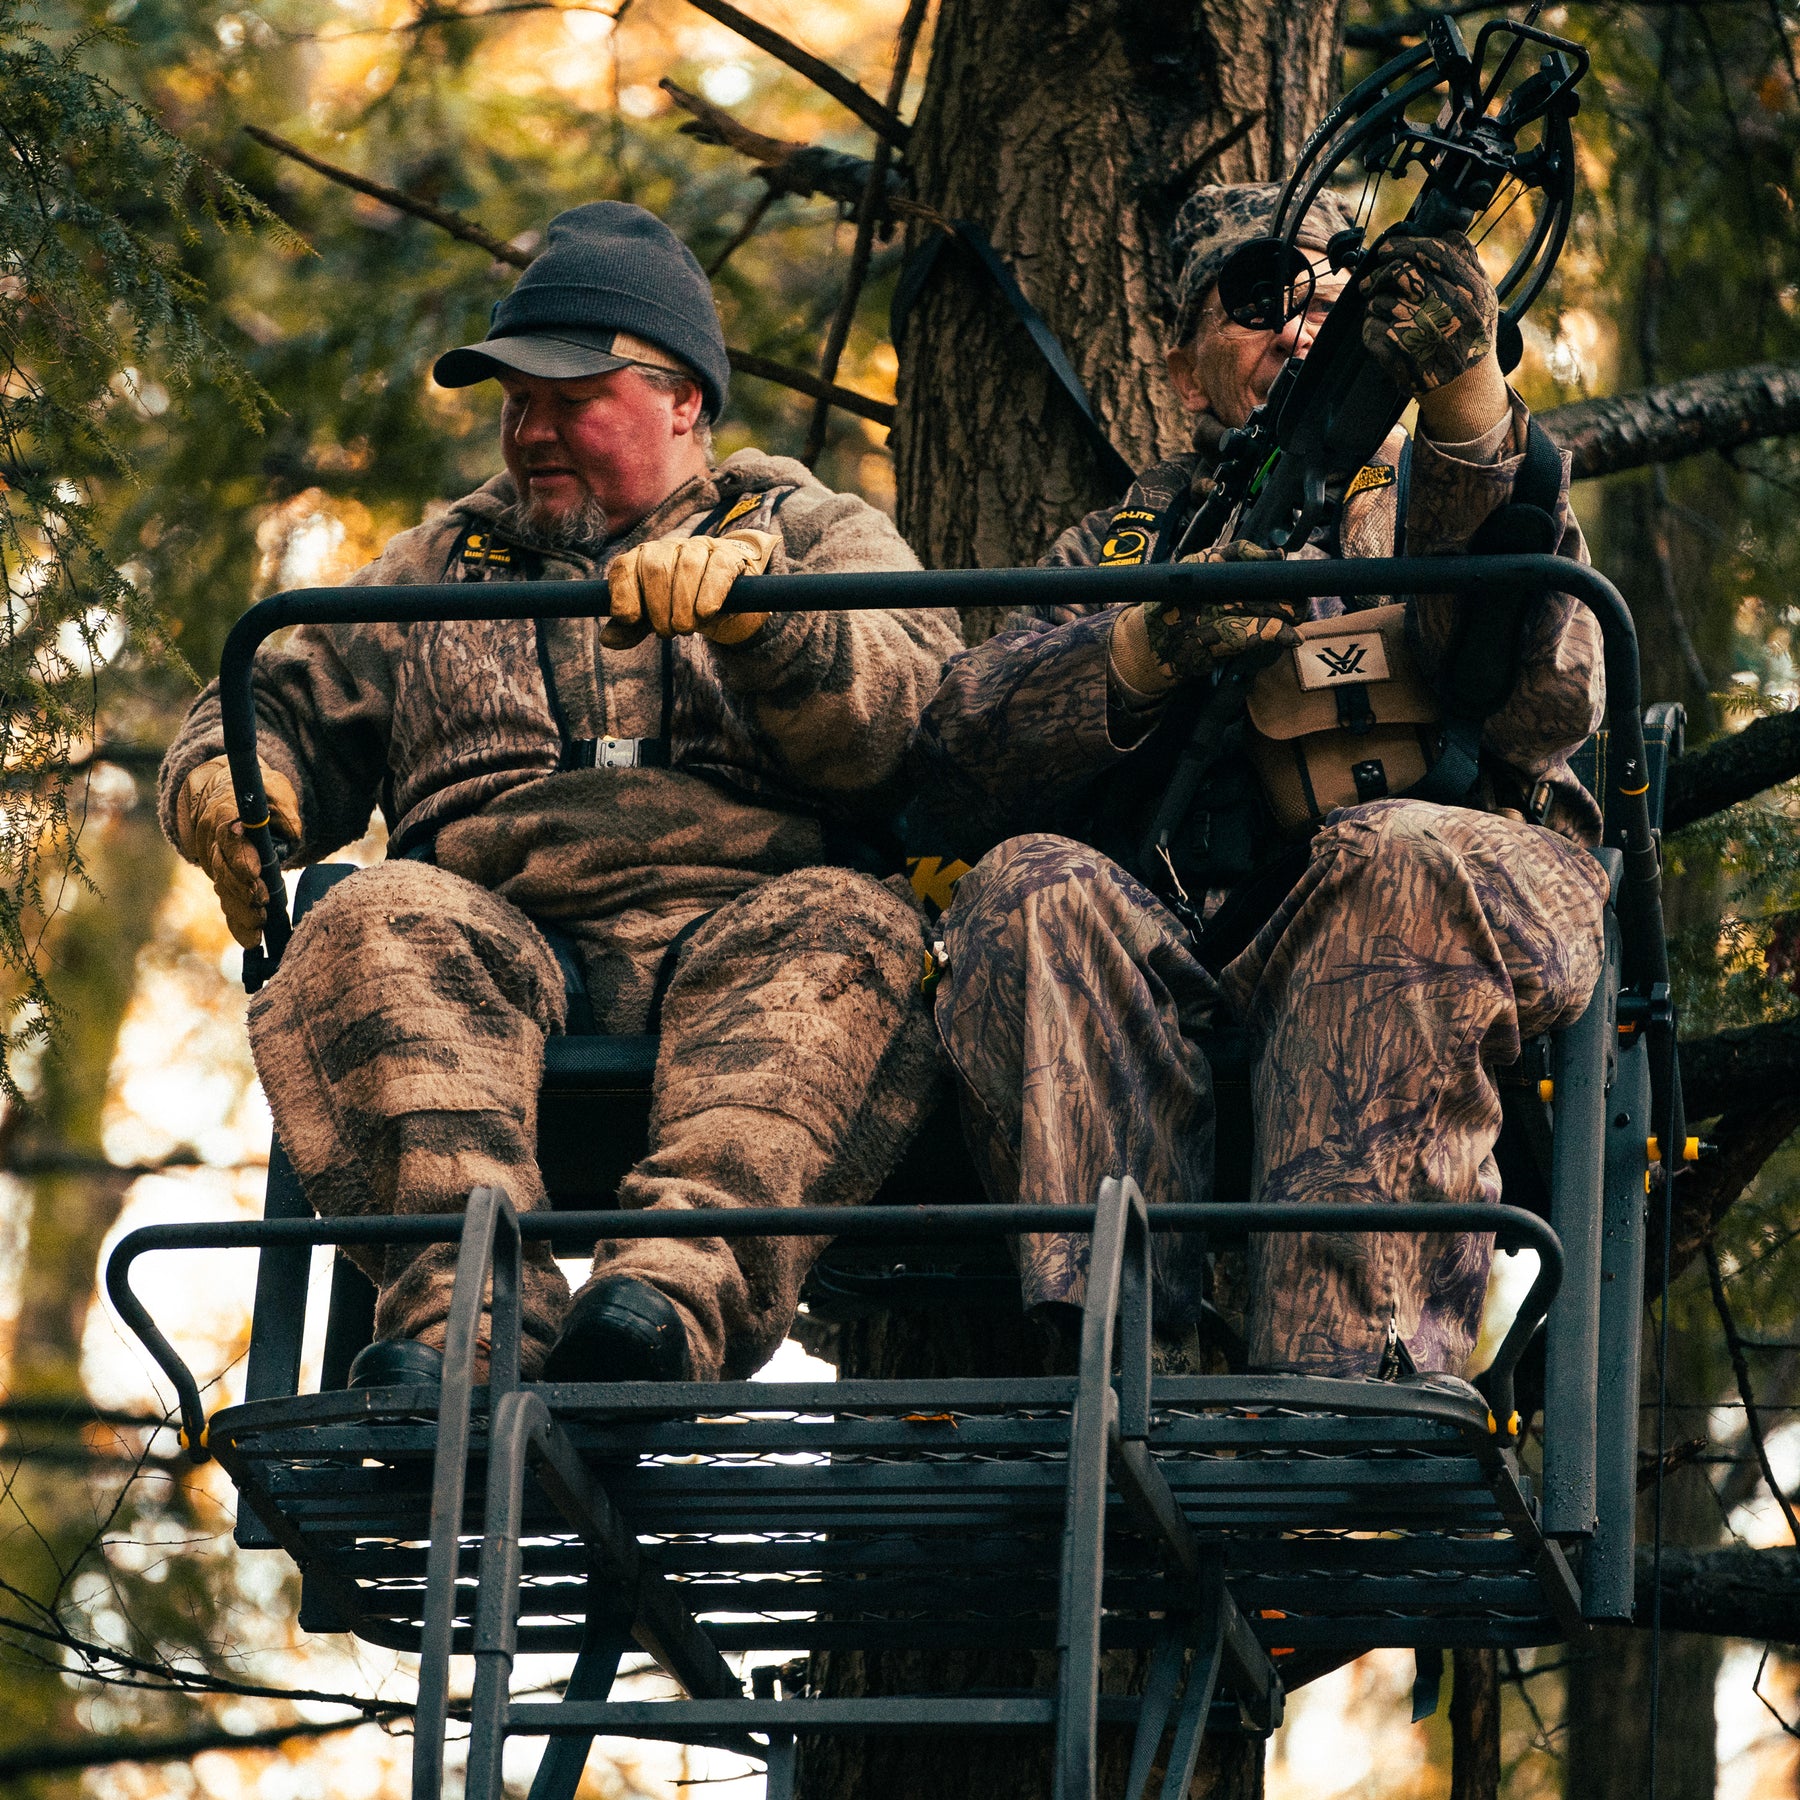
(1213,221)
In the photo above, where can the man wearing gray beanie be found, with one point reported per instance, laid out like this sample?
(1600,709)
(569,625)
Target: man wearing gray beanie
(587,828)
(1381,956)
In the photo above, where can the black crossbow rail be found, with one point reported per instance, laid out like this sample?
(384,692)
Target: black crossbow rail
(1244,1531)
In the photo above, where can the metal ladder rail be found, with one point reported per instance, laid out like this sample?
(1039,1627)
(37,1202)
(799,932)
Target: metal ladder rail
(1110,1434)
(520,1428)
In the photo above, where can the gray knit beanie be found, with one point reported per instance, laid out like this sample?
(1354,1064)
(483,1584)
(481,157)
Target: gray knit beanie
(608,271)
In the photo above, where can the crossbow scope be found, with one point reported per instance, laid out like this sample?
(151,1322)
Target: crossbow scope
(1486,148)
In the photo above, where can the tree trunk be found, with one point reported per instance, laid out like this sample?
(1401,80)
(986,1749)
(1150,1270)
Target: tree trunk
(1475,1725)
(1608,1745)
(1071,131)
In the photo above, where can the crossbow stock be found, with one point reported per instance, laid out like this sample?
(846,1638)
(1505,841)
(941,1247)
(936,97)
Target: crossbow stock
(1487,148)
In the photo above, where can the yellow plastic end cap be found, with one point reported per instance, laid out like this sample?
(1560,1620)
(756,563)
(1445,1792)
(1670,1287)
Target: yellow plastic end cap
(1493,1424)
(1653,1148)
(1546,1090)
(1512,1425)
(1690,1149)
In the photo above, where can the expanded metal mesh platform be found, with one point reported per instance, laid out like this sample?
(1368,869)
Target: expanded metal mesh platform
(881,1515)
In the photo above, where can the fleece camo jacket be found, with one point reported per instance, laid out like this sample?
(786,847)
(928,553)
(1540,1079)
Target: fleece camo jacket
(462,731)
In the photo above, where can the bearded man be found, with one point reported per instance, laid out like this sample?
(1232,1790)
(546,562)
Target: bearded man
(1382,967)
(591,827)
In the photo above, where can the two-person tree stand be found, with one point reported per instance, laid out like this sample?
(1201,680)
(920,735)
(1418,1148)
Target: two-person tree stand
(1385,946)
(592,828)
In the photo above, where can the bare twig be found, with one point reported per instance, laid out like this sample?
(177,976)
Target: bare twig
(744,233)
(744,361)
(868,217)
(440,216)
(879,412)
(102,1752)
(787,166)
(841,88)
(1741,1369)
(1650,1466)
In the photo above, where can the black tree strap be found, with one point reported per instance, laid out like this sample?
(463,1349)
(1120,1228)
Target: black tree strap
(911,285)
(1483,662)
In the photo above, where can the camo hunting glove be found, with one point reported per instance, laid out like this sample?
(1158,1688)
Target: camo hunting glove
(1189,640)
(1432,311)
(673,588)
(209,834)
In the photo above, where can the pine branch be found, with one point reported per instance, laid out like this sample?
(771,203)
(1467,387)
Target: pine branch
(458,226)
(1678,418)
(879,119)
(1733,768)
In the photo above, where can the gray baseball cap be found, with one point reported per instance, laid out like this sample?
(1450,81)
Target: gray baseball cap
(566,354)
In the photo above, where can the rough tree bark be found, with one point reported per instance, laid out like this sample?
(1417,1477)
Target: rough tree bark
(1071,132)
(1737,767)
(1679,418)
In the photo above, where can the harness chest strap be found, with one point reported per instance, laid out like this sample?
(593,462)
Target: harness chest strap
(480,551)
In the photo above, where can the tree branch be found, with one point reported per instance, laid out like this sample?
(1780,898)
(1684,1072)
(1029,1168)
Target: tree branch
(744,361)
(1678,418)
(1732,768)
(1744,1139)
(869,211)
(102,1752)
(1741,1069)
(440,216)
(787,166)
(1388,34)
(1726,1593)
(841,88)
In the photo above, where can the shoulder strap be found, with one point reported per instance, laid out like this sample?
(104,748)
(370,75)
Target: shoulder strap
(911,284)
(1483,663)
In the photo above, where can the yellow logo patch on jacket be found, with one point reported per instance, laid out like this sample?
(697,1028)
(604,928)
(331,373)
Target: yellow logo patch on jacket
(1370,476)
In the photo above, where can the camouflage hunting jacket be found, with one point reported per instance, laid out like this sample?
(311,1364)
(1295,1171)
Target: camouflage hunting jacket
(461,731)
(1027,725)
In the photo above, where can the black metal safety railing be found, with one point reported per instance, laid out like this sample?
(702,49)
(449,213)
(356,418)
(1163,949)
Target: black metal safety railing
(1599,1152)
(578,1232)
(1471,577)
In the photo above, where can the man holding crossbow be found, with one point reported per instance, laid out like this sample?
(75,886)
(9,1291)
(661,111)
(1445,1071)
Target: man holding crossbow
(1387,930)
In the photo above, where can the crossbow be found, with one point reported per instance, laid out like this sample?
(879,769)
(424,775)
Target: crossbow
(1486,148)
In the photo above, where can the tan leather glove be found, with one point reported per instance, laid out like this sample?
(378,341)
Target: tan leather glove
(677,588)
(209,834)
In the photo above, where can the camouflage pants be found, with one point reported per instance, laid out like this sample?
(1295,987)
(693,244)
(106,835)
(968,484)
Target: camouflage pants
(402,1046)
(1419,949)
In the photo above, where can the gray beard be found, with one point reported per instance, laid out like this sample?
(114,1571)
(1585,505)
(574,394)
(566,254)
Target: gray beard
(582,527)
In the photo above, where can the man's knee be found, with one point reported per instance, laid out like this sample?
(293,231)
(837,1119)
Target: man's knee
(1040,877)
(400,918)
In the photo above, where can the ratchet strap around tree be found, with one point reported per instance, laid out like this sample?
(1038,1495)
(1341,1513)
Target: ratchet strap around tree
(917,271)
